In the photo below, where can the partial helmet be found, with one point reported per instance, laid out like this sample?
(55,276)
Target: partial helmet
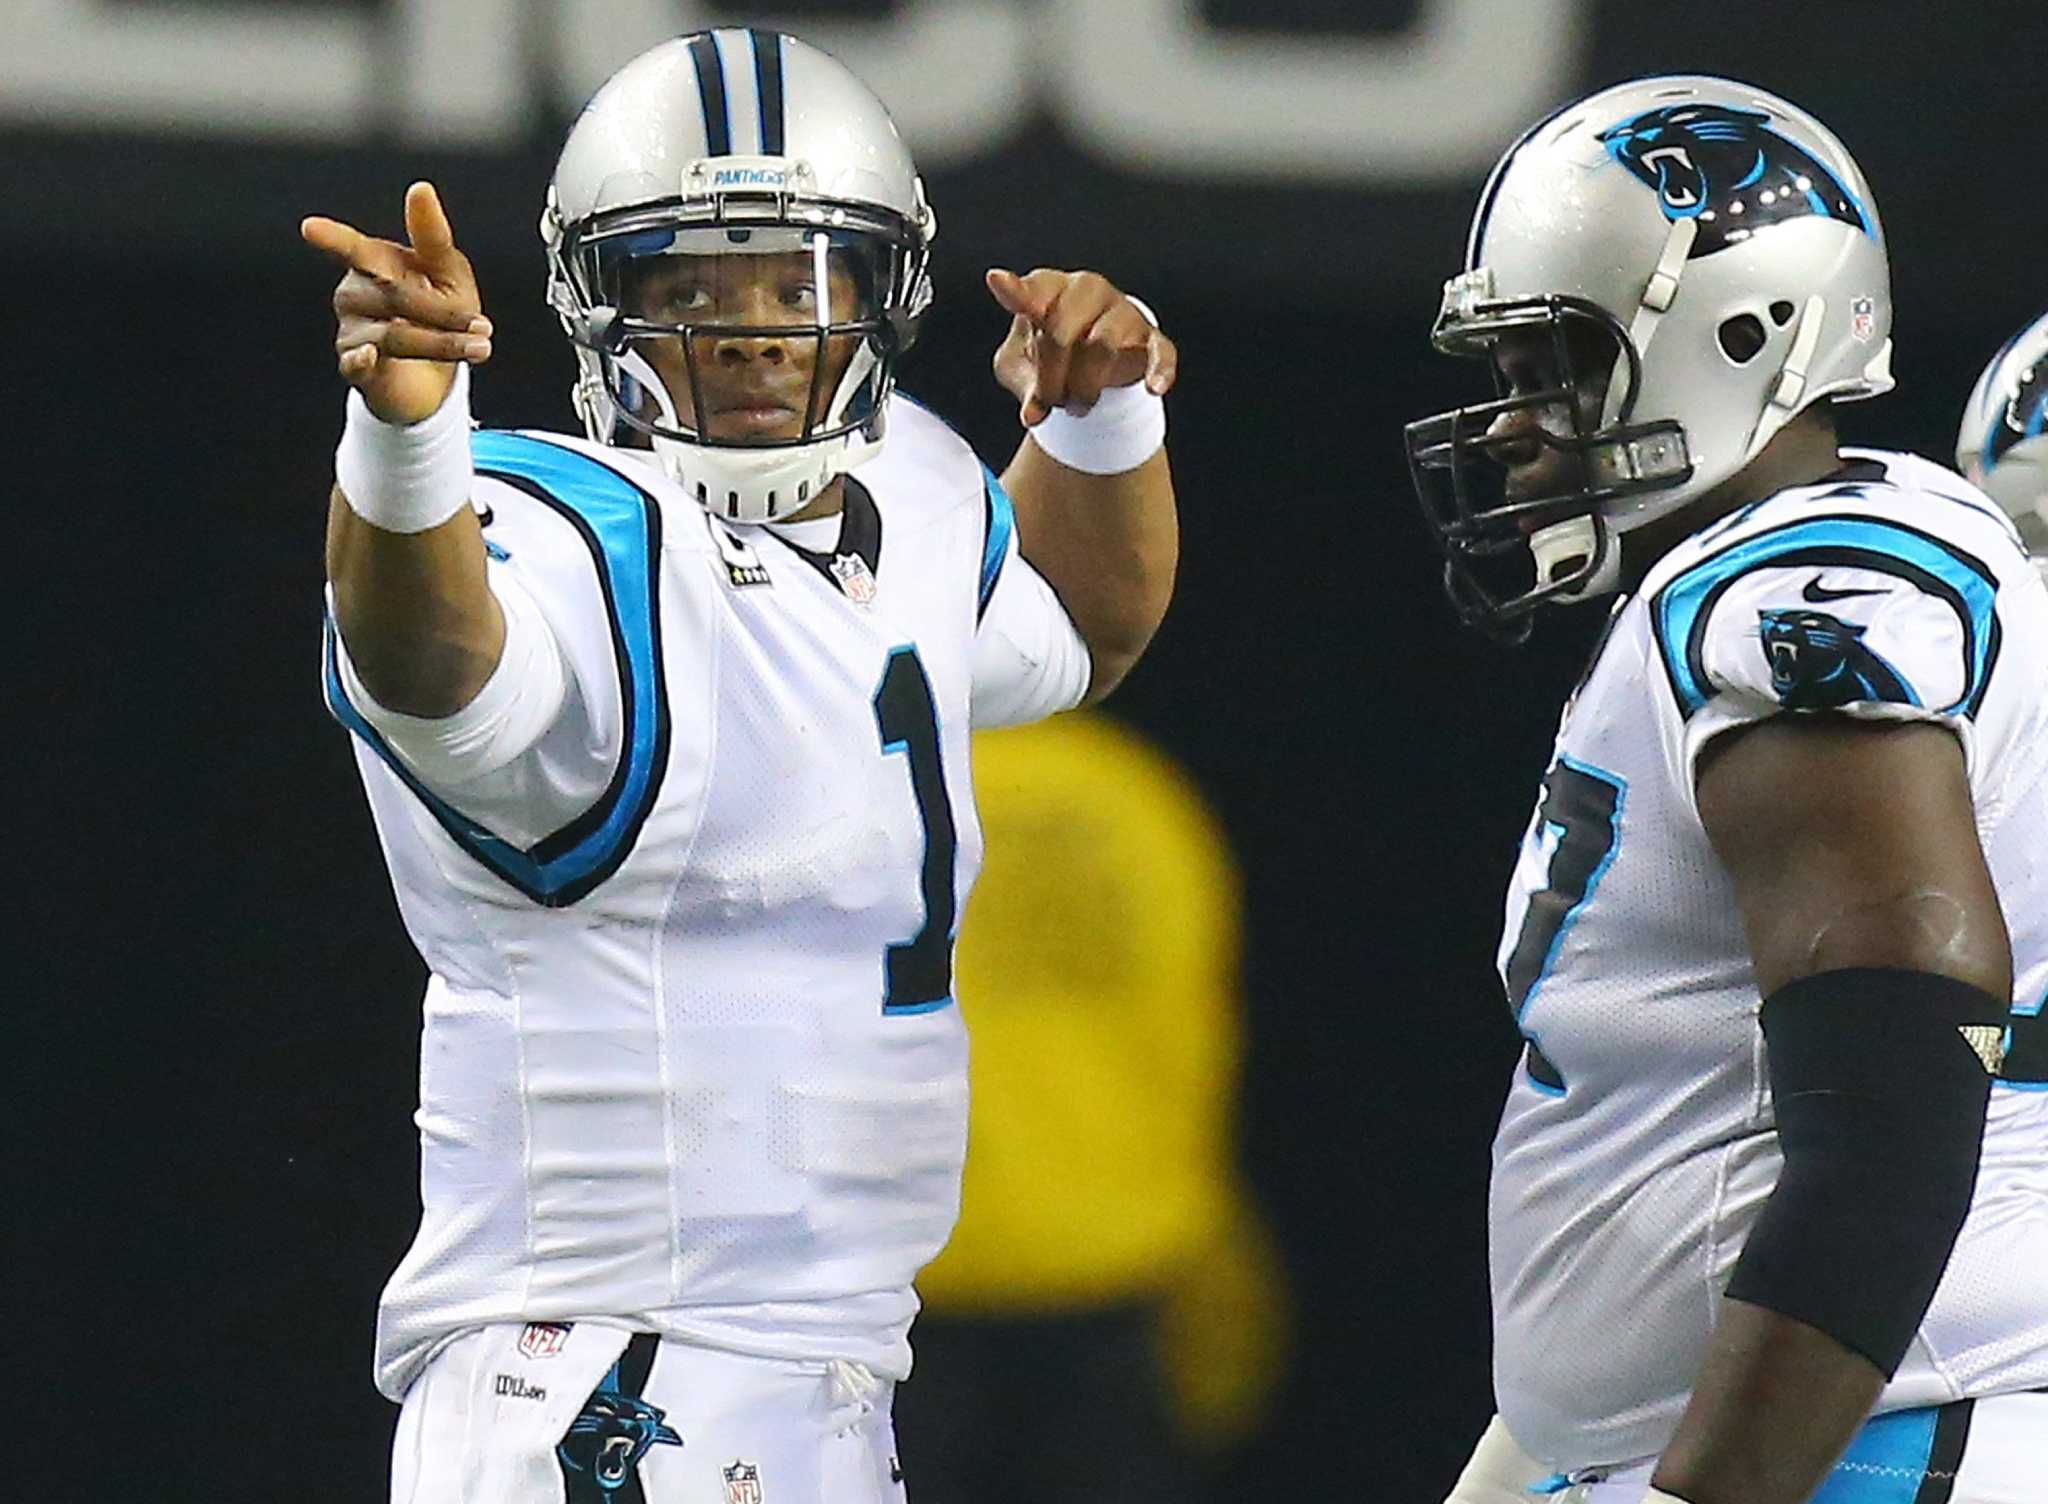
(2003,443)
(1720,250)
(737,195)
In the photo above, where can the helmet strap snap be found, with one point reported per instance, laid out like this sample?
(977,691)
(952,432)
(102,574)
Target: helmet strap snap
(1791,383)
(1659,293)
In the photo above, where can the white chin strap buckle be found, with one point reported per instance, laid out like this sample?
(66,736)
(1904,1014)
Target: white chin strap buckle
(1570,545)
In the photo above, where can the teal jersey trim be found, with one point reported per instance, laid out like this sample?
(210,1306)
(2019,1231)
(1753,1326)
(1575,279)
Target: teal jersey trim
(1902,1457)
(999,521)
(1679,613)
(621,525)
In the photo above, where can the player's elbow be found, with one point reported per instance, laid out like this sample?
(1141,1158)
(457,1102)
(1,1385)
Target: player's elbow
(1111,657)
(422,662)
(1122,627)
(1915,927)
(429,678)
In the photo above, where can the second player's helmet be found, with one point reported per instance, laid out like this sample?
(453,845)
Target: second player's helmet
(1720,249)
(725,146)
(2003,444)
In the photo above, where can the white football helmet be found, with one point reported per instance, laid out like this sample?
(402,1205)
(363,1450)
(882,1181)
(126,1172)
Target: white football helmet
(2003,443)
(708,152)
(1721,249)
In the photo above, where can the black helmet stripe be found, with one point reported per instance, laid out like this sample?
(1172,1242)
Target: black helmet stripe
(711,92)
(768,88)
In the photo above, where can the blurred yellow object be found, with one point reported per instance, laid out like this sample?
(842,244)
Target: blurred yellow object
(1098,970)
(1223,1332)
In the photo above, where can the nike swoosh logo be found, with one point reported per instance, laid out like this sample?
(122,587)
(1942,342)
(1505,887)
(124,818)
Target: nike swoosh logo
(1816,593)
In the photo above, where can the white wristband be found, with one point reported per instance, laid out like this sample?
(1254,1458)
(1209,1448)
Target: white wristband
(1658,1496)
(1123,430)
(406,478)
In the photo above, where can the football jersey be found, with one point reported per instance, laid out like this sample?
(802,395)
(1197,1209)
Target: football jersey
(690,1056)
(1636,1147)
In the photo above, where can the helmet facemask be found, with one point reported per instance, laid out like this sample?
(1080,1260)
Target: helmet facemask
(748,340)
(1512,542)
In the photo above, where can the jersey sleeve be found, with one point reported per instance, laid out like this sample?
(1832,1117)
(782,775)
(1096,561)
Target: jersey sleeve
(1855,616)
(519,758)
(1029,661)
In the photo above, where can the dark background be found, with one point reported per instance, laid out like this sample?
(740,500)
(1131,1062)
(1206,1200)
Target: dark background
(215,1006)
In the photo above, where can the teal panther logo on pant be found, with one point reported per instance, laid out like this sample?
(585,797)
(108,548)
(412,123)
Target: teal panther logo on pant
(600,1455)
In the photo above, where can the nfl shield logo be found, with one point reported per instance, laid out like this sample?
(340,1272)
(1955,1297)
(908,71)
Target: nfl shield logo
(855,579)
(1862,319)
(542,1339)
(742,1483)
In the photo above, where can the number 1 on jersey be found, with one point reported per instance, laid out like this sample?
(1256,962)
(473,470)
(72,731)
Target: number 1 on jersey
(920,970)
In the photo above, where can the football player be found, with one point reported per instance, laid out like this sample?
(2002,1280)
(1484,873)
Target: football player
(1767,1206)
(2003,442)
(665,734)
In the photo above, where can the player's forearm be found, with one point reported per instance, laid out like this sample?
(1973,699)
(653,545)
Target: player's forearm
(414,609)
(1776,1403)
(406,556)
(1107,544)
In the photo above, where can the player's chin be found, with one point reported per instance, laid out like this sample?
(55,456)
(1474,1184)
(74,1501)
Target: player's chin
(754,425)
(1558,476)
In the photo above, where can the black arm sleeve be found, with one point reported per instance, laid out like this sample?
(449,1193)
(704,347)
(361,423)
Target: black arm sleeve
(1881,1079)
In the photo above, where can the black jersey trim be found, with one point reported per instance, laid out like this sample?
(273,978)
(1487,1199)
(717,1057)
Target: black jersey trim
(704,56)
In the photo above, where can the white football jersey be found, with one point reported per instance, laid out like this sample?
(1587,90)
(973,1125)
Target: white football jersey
(690,1057)
(1637,1144)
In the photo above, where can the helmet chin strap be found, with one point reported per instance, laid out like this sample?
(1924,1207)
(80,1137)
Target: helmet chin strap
(1565,546)
(1788,392)
(1659,293)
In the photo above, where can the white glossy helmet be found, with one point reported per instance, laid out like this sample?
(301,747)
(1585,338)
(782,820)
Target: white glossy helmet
(1724,247)
(2003,443)
(734,143)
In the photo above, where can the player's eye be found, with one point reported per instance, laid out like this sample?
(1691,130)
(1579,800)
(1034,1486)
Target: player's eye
(800,295)
(1516,374)
(673,299)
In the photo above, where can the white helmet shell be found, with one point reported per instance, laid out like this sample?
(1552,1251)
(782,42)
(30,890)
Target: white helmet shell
(736,127)
(2003,442)
(1724,245)
(1680,204)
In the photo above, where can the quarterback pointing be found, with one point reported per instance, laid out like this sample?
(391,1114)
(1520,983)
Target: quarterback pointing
(665,733)
(1768,1210)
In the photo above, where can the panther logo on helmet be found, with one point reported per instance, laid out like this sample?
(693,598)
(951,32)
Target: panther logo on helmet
(1704,160)
(2025,415)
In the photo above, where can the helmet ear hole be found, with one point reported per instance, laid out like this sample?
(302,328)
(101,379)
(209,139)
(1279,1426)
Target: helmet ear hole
(1741,337)
(1781,313)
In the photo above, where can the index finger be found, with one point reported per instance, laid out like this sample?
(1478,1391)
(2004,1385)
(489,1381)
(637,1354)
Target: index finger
(347,244)
(426,222)
(1031,296)
(1162,363)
